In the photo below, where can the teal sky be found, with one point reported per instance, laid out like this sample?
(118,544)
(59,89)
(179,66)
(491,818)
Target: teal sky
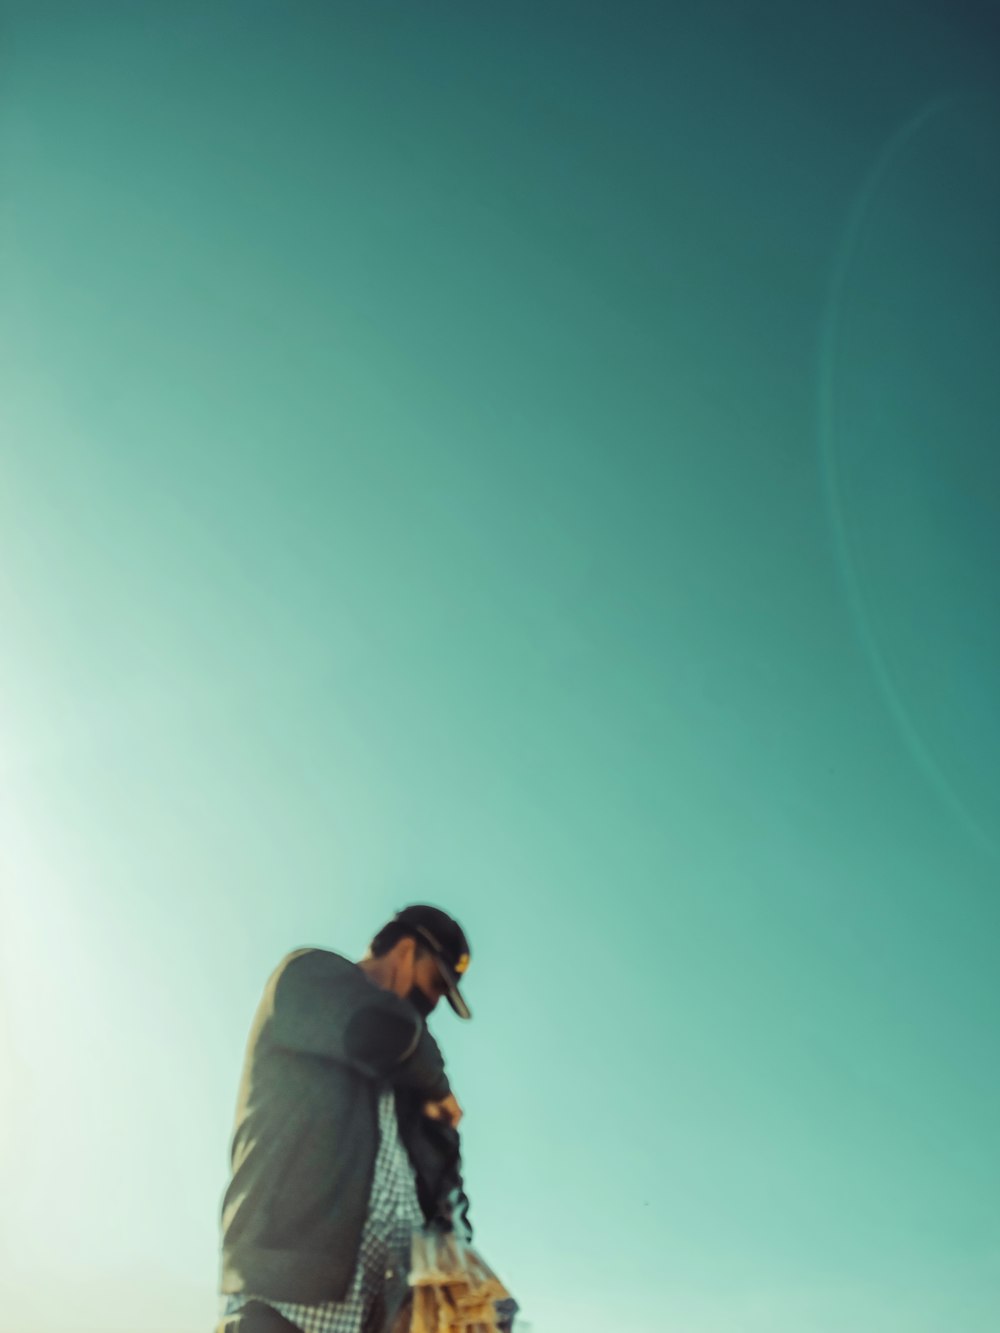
(539,459)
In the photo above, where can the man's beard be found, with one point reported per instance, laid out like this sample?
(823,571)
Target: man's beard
(420,1001)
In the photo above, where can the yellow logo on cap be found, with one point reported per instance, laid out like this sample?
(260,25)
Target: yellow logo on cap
(462,964)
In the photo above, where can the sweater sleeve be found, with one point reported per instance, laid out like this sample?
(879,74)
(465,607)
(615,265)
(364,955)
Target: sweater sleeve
(325,1006)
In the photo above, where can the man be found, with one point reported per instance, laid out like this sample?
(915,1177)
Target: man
(344,1139)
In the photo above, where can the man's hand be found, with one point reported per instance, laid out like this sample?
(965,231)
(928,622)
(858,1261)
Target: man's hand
(447,1110)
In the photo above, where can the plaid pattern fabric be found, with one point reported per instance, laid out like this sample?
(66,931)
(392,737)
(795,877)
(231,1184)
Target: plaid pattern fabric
(393,1215)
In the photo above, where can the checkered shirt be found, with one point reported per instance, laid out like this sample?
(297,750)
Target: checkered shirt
(393,1215)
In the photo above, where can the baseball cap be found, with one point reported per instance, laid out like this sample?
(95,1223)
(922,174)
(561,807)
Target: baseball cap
(443,937)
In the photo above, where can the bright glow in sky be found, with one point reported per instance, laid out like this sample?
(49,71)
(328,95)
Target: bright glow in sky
(540,460)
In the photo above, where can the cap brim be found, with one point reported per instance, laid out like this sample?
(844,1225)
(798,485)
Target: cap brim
(455,997)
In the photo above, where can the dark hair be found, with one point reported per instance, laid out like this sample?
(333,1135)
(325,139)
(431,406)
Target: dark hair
(390,935)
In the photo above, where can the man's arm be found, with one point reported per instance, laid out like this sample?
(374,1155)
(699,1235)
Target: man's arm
(325,1006)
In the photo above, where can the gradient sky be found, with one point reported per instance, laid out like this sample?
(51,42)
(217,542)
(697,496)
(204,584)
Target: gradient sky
(540,459)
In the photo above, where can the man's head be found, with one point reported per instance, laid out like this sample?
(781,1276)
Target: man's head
(420,955)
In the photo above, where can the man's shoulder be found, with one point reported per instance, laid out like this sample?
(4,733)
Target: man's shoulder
(313,961)
(312,976)
(321,956)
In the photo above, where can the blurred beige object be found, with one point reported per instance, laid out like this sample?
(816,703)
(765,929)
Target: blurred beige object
(454,1291)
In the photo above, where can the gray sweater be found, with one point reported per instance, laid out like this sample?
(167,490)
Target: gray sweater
(324,1040)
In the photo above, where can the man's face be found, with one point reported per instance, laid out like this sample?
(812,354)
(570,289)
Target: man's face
(427,985)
